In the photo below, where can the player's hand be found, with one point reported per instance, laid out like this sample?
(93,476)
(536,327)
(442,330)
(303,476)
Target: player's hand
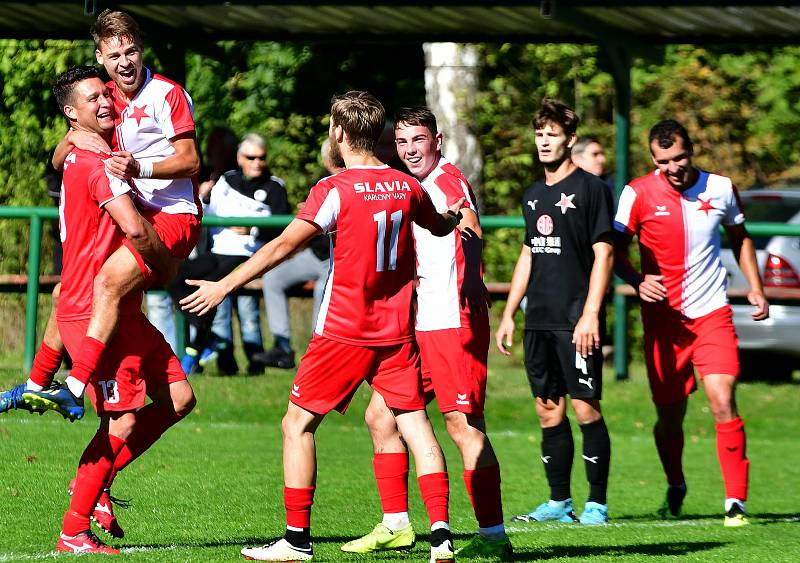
(503,338)
(455,209)
(122,165)
(208,295)
(759,301)
(651,289)
(88,141)
(586,336)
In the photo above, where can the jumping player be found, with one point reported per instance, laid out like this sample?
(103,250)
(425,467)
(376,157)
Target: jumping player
(452,331)
(564,269)
(138,361)
(156,150)
(676,212)
(364,329)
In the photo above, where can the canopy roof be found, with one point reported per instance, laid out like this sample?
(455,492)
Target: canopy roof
(645,22)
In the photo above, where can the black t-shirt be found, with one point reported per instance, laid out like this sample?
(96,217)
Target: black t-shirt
(562,222)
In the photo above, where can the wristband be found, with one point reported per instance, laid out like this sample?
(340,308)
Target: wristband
(145,169)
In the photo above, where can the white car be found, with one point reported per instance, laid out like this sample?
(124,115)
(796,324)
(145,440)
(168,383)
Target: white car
(769,349)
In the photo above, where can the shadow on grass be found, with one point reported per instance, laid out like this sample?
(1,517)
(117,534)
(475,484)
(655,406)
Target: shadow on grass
(582,552)
(755,518)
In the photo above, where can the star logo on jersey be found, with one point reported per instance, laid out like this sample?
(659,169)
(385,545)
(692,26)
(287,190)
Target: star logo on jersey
(705,205)
(139,114)
(566,203)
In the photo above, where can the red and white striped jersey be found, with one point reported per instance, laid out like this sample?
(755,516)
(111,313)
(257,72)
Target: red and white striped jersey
(159,111)
(679,236)
(440,260)
(368,212)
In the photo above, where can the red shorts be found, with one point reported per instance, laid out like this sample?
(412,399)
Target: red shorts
(675,345)
(454,367)
(136,363)
(331,371)
(178,231)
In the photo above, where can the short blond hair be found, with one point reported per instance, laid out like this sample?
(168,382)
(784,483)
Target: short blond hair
(113,23)
(362,118)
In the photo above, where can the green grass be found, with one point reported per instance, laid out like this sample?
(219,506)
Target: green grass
(214,483)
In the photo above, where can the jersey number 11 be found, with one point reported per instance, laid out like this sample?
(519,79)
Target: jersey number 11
(380,247)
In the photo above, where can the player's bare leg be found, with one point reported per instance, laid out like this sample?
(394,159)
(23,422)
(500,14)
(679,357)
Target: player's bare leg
(668,434)
(731,445)
(434,487)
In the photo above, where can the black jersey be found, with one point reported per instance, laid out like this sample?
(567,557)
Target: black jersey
(562,222)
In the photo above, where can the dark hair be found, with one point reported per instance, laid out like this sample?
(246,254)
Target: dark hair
(65,83)
(361,116)
(665,132)
(554,111)
(113,23)
(421,116)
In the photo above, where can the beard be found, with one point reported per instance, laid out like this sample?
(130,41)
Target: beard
(335,154)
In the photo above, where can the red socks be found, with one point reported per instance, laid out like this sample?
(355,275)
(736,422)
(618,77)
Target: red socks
(733,458)
(298,506)
(435,492)
(483,488)
(391,476)
(88,358)
(93,470)
(151,422)
(670,450)
(45,365)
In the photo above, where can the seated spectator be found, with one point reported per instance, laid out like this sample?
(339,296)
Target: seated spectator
(249,191)
(311,263)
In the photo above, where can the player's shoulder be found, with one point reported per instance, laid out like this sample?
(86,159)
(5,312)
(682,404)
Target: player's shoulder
(717,181)
(84,160)
(449,172)
(163,82)
(643,182)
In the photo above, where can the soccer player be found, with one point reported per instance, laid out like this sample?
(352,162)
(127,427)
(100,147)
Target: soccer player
(564,270)
(676,212)
(138,361)
(452,331)
(364,329)
(153,122)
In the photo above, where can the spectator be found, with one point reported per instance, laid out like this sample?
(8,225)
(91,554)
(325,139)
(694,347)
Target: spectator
(311,263)
(249,191)
(589,154)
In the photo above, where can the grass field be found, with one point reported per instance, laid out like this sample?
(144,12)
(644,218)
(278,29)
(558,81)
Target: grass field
(213,484)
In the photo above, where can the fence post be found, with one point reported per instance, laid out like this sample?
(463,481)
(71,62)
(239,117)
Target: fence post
(32,297)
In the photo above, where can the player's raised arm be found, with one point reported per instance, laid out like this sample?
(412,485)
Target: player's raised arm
(210,294)
(439,224)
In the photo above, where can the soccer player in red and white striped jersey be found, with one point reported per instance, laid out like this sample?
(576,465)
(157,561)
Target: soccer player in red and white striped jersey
(364,330)
(452,330)
(676,212)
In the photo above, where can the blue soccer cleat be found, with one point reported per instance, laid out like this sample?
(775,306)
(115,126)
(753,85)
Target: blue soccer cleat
(57,397)
(13,399)
(594,513)
(190,363)
(554,510)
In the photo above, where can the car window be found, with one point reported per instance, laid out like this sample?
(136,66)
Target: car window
(767,208)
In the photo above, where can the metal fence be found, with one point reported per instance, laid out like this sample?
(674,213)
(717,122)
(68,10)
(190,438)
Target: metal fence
(36,215)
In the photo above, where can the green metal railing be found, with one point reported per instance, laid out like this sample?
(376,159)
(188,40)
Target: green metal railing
(36,215)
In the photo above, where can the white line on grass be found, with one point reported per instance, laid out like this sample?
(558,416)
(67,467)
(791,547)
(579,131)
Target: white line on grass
(53,554)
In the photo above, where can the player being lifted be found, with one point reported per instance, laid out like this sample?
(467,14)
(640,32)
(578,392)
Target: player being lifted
(94,205)
(452,331)
(564,269)
(676,212)
(364,329)
(155,149)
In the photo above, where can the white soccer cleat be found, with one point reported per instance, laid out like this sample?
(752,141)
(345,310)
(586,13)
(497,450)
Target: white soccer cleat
(443,553)
(278,550)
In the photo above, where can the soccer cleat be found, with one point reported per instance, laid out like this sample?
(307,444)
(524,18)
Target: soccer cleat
(190,361)
(56,397)
(671,508)
(103,513)
(553,510)
(207,356)
(735,517)
(279,550)
(13,399)
(442,546)
(594,513)
(480,546)
(85,542)
(382,538)
(276,357)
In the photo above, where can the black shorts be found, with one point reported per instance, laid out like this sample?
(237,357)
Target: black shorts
(555,369)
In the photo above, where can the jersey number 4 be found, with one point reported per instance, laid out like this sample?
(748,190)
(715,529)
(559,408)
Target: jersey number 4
(380,246)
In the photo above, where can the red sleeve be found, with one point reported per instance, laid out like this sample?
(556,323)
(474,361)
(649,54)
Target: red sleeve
(322,206)
(454,188)
(425,215)
(179,112)
(102,186)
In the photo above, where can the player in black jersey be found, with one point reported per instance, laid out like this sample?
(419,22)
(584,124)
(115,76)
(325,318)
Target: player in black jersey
(563,270)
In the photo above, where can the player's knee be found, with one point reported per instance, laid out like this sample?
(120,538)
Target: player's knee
(379,421)
(106,288)
(56,295)
(292,426)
